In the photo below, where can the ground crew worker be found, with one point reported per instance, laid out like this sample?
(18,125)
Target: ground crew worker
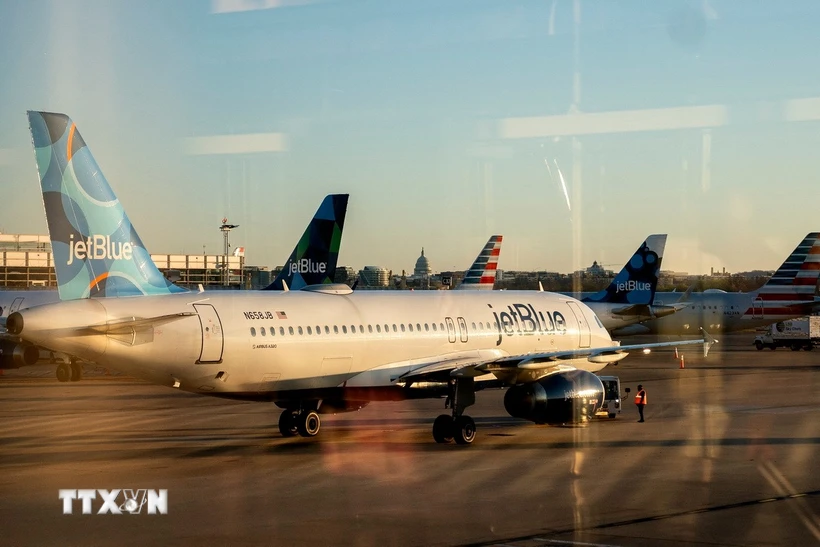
(640,401)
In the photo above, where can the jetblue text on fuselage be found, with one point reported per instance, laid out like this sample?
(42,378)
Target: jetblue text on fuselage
(524,319)
(306,265)
(633,285)
(98,247)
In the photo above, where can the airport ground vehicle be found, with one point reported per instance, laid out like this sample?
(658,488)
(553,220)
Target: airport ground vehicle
(803,332)
(612,397)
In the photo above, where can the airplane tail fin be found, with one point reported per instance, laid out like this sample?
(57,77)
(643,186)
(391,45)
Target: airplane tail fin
(481,275)
(313,261)
(97,251)
(637,281)
(795,282)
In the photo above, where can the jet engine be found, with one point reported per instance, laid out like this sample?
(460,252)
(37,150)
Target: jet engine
(558,399)
(16,354)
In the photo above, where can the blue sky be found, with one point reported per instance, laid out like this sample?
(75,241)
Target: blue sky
(400,104)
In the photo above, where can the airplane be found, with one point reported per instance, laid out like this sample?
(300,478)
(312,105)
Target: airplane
(323,348)
(789,293)
(629,297)
(481,275)
(312,261)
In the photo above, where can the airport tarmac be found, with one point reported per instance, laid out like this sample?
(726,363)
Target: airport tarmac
(728,456)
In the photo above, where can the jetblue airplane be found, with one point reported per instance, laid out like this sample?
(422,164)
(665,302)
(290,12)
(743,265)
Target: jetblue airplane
(629,298)
(788,294)
(312,261)
(320,349)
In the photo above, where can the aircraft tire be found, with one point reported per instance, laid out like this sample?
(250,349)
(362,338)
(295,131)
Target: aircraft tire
(308,423)
(443,429)
(287,424)
(63,372)
(76,371)
(758,345)
(464,430)
(611,415)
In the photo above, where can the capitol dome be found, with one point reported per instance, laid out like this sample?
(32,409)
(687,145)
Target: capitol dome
(422,265)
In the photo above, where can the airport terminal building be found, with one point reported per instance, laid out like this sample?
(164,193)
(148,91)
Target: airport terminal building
(26,261)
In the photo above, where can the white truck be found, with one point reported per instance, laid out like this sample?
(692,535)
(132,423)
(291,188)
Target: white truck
(803,332)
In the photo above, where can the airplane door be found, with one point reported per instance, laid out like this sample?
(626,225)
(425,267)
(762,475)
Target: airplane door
(584,336)
(757,307)
(16,305)
(212,340)
(462,327)
(451,330)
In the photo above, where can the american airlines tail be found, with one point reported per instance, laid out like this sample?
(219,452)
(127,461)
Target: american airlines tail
(97,251)
(794,284)
(313,260)
(637,282)
(481,275)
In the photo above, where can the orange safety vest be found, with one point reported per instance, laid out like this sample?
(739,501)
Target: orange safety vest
(640,397)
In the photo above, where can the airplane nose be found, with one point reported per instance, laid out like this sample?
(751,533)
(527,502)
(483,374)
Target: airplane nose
(14,323)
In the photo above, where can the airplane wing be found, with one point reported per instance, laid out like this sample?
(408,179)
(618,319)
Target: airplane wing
(531,366)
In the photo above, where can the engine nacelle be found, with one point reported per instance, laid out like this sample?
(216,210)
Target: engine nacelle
(558,399)
(17,354)
(337,406)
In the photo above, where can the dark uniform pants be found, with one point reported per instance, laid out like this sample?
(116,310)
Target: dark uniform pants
(640,410)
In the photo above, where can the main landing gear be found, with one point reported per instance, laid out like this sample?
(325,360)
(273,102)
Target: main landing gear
(70,372)
(304,422)
(458,426)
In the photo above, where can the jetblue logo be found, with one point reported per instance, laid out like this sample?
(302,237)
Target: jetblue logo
(632,285)
(115,502)
(306,265)
(98,247)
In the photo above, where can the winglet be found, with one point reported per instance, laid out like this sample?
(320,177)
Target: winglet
(285,285)
(708,341)
(540,287)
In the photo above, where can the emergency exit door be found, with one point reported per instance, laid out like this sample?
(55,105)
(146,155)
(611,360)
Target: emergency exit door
(212,339)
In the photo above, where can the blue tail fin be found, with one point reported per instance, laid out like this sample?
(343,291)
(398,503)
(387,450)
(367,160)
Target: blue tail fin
(96,250)
(313,261)
(637,281)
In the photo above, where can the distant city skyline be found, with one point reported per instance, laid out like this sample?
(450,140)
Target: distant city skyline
(573,128)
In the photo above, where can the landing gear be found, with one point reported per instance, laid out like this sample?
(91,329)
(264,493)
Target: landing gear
(458,426)
(63,372)
(76,371)
(302,422)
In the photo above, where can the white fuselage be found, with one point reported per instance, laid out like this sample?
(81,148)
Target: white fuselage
(252,343)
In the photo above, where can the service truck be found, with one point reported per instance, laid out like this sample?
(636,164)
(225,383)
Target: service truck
(803,332)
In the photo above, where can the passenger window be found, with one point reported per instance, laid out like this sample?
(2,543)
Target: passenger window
(386,328)
(300,331)
(253,331)
(378,328)
(327,330)
(318,330)
(281,331)
(473,325)
(290,330)
(310,331)
(434,327)
(262,331)
(273,331)
(441,326)
(394,328)
(361,329)
(426,327)
(370,328)
(352,329)
(335,329)
(344,329)
(418,327)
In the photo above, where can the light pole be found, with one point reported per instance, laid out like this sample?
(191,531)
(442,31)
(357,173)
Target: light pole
(226,230)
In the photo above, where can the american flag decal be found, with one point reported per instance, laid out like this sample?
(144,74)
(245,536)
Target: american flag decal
(281,315)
